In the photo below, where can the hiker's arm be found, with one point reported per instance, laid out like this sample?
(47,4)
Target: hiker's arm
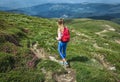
(59,35)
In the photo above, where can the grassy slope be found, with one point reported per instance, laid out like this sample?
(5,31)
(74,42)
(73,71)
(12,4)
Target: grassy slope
(17,31)
(83,49)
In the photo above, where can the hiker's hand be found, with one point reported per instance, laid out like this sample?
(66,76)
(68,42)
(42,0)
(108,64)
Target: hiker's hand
(56,38)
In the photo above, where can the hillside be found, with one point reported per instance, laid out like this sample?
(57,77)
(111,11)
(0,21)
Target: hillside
(93,51)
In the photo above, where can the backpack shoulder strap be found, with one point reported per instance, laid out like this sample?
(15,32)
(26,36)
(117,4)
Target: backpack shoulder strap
(66,27)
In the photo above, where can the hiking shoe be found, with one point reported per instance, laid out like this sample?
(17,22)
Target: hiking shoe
(61,62)
(66,64)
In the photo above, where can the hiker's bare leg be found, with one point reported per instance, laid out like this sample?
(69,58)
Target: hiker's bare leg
(64,60)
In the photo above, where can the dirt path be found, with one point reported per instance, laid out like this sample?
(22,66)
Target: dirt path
(68,76)
(102,60)
(107,29)
(80,34)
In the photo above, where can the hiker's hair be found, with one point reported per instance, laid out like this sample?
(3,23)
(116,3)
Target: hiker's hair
(61,21)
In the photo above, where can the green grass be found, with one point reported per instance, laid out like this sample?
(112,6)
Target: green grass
(22,76)
(84,46)
(17,32)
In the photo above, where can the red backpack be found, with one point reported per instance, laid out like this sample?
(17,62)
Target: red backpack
(65,35)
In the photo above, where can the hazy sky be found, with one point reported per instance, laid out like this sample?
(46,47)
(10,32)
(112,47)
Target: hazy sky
(26,3)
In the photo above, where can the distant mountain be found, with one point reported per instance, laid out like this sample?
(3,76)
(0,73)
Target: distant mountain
(4,9)
(67,10)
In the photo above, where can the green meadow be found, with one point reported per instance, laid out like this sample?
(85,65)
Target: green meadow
(93,51)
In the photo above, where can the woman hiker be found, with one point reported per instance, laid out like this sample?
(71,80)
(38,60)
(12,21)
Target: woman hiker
(63,38)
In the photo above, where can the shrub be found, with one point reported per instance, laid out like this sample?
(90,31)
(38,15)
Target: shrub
(7,62)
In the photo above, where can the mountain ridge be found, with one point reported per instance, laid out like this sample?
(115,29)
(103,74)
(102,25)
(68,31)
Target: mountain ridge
(65,10)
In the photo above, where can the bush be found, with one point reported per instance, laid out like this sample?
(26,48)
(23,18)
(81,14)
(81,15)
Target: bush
(7,62)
